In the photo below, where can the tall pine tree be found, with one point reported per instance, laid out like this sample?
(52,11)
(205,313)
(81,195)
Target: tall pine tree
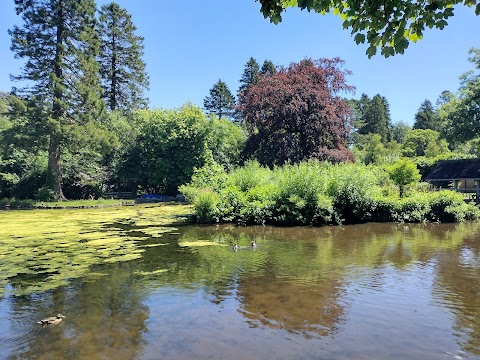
(59,42)
(426,117)
(221,101)
(375,116)
(250,74)
(122,69)
(268,68)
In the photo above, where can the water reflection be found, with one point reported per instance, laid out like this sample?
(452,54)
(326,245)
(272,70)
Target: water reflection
(364,291)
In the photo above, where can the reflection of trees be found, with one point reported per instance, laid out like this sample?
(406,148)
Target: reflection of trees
(312,308)
(105,319)
(458,284)
(295,278)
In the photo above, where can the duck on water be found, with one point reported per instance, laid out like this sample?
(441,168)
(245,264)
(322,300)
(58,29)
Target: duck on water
(53,320)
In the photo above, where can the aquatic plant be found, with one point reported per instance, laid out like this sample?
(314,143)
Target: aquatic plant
(44,249)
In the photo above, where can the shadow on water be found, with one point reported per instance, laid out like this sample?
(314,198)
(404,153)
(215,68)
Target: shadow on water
(144,290)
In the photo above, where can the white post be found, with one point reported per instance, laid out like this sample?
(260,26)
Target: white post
(477,198)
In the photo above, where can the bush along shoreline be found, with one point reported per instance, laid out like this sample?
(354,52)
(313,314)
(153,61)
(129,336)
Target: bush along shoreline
(319,193)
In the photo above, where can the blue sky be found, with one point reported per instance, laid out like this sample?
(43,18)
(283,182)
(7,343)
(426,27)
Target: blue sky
(191,44)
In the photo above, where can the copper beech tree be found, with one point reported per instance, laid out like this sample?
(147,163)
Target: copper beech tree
(298,113)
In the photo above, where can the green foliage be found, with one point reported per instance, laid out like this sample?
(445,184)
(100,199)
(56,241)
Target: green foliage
(221,101)
(471,147)
(206,206)
(122,69)
(374,149)
(250,175)
(354,189)
(170,145)
(373,116)
(426,117)
(460,113)
(424,142)
(45,194)
(268,68)
(226,141)
(314,193)
(399,131)
(404,173)
(389,26)
(210,176)
(59,43)
(250,75)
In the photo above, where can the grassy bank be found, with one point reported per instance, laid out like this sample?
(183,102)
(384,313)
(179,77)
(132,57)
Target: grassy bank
(314,193)
(70,204)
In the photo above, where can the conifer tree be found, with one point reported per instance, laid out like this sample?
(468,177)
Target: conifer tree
(375,117)
(221,101)
(59,43)
(426,117)
(122,69)
(268,68)
(250,74)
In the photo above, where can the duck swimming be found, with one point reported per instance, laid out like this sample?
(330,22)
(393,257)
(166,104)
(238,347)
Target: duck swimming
(53,320)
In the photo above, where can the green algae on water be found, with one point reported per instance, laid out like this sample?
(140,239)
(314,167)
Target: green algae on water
(41,250)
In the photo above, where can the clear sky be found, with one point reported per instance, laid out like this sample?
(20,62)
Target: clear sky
(191,44)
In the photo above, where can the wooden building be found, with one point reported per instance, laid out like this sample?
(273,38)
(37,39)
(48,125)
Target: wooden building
(459,175)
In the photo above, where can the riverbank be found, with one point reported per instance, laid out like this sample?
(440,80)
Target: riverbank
(14,204)
(315,193)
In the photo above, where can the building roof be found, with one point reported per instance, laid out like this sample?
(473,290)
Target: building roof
(455,170)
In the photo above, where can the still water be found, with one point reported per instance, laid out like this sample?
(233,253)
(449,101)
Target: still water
(371,291)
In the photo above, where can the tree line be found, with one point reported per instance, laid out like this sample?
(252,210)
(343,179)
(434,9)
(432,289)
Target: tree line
(79,62)
(81,126)
(450,128)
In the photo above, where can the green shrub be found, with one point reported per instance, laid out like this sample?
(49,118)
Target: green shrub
(449,206)
(463,212)
(403,173)
(251,175)
(324,212)
(45,194)
(354,188)
(385,209)
(206,206)
(414,208)
(256,212)
(314,193)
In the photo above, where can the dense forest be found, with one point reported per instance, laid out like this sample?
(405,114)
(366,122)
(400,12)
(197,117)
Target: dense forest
(82,127)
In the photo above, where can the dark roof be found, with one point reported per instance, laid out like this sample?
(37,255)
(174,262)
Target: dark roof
(455,170)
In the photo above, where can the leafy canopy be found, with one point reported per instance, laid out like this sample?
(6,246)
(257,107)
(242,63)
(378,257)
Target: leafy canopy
(388,25)
(459,114)
(298,113)
(403,173)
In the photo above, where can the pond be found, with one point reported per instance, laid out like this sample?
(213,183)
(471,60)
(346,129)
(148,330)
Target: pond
(133,287)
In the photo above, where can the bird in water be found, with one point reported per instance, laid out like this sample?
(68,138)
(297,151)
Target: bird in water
(235,247)
(254,244)
(53,320)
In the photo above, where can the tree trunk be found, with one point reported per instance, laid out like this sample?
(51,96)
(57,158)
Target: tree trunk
(54,162)
(55,167)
